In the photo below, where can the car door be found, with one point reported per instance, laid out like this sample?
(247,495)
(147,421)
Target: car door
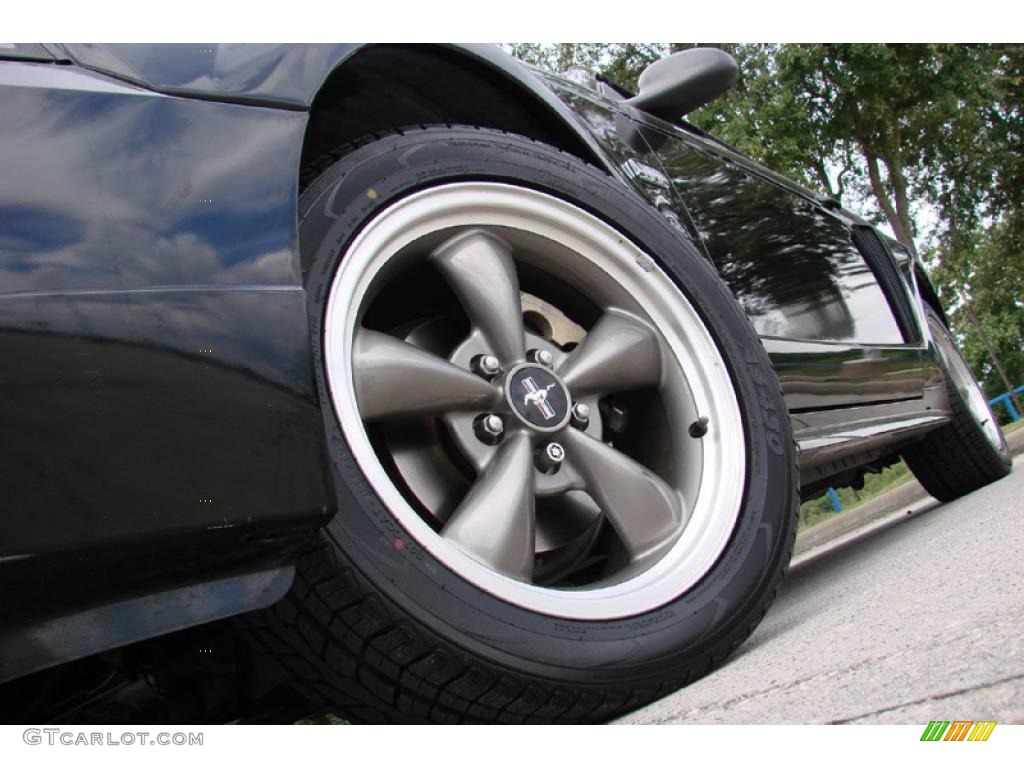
(821,289)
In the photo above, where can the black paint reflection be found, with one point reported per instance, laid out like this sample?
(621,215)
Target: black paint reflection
(285,73)
(792,266)
(156,377)
(140,414)
(622,140)
(816,375)
(105,186)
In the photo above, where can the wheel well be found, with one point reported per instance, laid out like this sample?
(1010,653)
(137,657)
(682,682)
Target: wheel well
(388,86)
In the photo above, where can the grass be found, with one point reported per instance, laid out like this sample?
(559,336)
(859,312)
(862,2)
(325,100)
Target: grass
(818,510)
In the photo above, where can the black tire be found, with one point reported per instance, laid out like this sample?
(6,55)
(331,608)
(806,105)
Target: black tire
(385,634)
(958,458)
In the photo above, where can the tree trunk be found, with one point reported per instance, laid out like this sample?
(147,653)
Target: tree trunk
(898,214)
(826,182)
(899,186)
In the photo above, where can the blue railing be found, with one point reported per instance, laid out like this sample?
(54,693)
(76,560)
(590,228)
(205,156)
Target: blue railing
(1007,400)
(837,505)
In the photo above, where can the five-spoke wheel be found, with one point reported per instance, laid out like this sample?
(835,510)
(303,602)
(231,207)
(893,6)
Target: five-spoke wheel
(521,403)
(540,427)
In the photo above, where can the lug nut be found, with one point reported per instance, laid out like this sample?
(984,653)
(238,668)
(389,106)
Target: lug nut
(541,357)
(486,366)
(550,458)
(489,428)
(580,415)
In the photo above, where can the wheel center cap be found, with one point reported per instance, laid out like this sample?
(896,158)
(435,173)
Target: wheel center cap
(538,397)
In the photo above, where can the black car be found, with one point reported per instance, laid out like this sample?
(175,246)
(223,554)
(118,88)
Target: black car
(421,385)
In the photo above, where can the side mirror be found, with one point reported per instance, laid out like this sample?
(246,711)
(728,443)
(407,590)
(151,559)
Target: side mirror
(678,84)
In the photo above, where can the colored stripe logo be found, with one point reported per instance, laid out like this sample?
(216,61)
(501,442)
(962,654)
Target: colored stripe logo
(958,730)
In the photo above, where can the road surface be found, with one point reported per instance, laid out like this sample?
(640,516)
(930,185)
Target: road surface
(917,617)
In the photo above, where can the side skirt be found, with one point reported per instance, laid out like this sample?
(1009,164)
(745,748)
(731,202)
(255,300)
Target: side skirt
(33,647)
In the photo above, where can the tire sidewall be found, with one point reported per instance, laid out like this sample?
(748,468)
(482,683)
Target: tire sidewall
(727,600)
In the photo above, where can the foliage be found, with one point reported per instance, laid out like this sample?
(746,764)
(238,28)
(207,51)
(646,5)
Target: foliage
(989,268)
(621,63)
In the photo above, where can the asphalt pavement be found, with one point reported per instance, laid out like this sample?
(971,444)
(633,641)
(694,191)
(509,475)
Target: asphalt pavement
(916,616)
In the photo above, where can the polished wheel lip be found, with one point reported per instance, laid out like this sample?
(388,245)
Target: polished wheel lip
(714,512)
(968,387)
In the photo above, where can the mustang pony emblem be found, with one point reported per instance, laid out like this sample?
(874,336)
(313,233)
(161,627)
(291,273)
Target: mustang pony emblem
(539,397)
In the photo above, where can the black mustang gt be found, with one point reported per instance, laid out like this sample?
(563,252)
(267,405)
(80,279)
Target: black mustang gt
(413,384)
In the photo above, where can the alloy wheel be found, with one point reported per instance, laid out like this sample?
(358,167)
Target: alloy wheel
(534,400)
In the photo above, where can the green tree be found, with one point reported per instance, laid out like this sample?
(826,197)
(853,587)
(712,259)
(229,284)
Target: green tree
(981,280)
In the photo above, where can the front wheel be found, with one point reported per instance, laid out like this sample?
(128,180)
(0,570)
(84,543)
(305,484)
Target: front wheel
(565,473)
